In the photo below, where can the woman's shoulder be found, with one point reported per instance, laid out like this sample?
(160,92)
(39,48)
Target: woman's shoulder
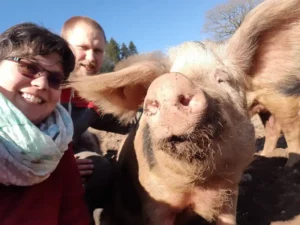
(44,201)
(41,199)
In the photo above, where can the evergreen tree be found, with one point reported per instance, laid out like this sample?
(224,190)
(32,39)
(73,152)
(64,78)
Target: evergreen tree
(112,50)
(132,48)
(107,65)
(124,51)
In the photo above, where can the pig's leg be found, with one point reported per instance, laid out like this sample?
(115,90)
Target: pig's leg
(292,135)
(286,112)
(227,214)
(272,133)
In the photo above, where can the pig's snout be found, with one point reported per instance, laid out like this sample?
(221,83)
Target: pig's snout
(174,105)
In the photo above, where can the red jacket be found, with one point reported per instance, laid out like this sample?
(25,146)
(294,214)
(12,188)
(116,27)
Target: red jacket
(75,99)
(59,200)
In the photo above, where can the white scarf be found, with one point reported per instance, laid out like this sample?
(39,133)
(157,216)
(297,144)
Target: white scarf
(29,154)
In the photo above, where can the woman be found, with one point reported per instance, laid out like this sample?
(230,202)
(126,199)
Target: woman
(39,179)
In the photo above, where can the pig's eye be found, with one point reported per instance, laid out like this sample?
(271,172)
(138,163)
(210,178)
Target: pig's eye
(221,76)
(220,80)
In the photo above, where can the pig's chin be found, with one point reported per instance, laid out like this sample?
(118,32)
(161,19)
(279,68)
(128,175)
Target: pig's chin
(197,146)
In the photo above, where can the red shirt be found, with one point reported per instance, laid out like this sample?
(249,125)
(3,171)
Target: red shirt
(59,200)
(75,99)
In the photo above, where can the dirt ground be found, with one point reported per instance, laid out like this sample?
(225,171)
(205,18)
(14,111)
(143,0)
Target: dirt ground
(269,193)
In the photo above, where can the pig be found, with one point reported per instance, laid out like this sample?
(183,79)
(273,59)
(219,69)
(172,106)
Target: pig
(191,144)
(194,139)
(275,75)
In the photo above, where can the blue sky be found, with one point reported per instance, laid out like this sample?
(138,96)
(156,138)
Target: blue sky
(150,24)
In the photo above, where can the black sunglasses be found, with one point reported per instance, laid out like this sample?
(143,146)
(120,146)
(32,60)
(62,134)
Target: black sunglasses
(33,70)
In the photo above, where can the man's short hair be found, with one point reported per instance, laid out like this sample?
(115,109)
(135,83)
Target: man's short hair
(29,40)
(73,21)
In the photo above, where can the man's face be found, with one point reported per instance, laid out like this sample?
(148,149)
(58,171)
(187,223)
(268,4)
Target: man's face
(87,45)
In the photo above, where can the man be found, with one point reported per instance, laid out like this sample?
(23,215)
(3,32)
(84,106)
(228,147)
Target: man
(87,41)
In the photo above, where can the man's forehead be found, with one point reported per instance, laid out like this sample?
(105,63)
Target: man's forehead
(83,34)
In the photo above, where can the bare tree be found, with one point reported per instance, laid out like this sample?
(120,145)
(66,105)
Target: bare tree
(223,20)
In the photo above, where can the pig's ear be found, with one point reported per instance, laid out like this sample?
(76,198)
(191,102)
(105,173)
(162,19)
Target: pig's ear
(268,37)
(122,92)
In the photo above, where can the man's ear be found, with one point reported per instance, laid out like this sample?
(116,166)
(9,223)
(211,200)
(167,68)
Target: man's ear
(122,92)
(268,40)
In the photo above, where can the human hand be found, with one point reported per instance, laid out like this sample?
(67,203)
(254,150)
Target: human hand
(85,167)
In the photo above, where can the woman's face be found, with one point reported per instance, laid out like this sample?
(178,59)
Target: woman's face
(35,96)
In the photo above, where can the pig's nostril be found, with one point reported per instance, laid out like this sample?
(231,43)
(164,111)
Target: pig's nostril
(184,100)
(151,107)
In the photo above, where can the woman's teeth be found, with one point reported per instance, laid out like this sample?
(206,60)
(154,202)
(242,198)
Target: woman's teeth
(31,98)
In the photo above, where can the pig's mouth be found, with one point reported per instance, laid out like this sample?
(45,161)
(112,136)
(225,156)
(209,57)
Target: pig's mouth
(178,139)
(198,145)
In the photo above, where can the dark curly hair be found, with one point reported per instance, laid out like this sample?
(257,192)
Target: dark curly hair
(29,40)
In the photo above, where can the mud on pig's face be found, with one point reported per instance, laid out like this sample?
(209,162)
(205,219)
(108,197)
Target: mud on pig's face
(198,109)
